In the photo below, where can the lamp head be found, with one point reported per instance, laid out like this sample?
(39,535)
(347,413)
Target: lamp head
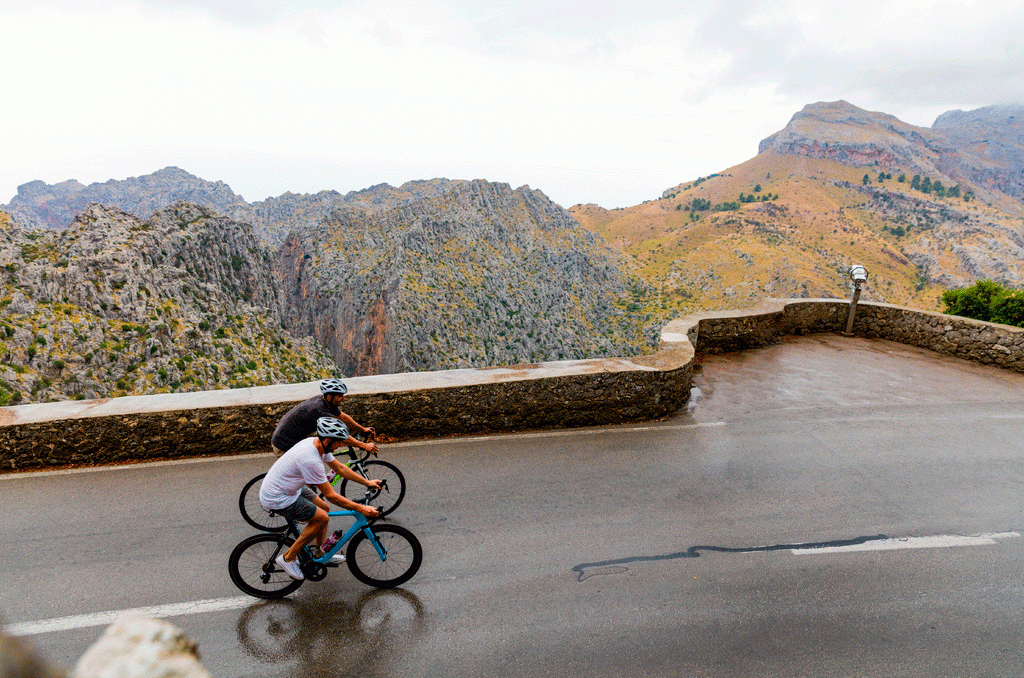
(858,274)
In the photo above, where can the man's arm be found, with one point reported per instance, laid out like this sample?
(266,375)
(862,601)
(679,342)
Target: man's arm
(353,425)
(368,446)
(347,504)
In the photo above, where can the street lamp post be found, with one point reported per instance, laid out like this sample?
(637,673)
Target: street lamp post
(859,276)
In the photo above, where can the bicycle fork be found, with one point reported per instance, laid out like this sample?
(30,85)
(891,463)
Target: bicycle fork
(381,551)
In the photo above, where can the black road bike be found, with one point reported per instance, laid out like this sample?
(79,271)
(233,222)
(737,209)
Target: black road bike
(387,498)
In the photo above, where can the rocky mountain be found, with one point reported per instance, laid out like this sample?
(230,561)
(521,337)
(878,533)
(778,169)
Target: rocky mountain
(113,305)
(984,147)
(473,274)
(274,218)
(53,206)
(990,147)
(925,209)
(430,275)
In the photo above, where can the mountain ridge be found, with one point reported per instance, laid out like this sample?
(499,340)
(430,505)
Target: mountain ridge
(984,146)
(838,185)
(113,305)
(191,300)
(444,273)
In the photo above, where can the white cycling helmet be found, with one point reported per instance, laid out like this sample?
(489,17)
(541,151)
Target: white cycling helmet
(333,386)
(329,427)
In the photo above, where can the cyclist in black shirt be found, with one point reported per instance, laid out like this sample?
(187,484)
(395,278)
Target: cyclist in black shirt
(300,421)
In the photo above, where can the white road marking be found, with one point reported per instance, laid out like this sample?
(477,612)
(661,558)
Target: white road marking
(934,542)
(81,621)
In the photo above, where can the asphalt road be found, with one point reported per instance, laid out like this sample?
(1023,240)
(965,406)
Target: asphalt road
(693,546)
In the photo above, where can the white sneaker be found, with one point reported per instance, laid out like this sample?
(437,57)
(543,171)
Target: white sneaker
(291,569)
(337,558)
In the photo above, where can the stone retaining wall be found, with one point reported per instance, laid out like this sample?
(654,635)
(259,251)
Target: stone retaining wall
(546,395)
(401,406)
(975,340)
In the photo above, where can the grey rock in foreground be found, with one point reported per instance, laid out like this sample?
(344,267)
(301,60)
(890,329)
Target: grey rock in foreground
(139,647)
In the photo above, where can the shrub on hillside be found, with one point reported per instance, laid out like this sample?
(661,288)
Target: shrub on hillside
(1009,309)
(986,300)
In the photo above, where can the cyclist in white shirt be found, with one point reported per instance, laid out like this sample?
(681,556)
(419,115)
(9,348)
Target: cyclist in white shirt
(302,465)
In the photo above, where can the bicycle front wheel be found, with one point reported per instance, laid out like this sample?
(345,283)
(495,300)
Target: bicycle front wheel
(403,556)
(252,567)
(387,498)
(253,511)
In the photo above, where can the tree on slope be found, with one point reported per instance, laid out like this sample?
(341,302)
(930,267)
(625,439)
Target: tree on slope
(986,300)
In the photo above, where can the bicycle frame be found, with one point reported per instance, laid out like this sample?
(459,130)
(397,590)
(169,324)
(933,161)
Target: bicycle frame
(361,523)
(355,462)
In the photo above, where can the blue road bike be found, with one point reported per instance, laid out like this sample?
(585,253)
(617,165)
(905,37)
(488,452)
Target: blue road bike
(382,555)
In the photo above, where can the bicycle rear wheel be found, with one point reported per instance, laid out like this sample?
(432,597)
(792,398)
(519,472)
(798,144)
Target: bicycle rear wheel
(253,511)
(253,570)
(388,498)
(404,555)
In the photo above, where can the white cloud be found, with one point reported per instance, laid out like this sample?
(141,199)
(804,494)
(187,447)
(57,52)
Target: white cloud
(589,101)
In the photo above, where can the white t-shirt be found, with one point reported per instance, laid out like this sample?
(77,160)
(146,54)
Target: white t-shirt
(300,466)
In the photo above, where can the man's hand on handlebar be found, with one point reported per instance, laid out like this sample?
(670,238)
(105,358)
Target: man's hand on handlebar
(375,484)
(368,511)
(364,441)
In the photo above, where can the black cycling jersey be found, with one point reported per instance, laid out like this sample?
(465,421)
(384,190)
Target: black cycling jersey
(300,422)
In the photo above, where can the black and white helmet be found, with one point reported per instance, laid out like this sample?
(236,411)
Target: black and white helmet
(333,386)
(329,427)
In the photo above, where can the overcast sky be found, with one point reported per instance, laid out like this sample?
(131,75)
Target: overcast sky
(605,102)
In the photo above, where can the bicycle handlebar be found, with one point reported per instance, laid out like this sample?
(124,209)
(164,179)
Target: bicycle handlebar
(353,454)
(380,515)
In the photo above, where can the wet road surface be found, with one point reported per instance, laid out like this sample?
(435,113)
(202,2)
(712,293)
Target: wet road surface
(691,546)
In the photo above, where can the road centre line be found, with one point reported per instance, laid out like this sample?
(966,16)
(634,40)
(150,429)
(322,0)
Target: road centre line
(895,543)
(410,443)
(81,621)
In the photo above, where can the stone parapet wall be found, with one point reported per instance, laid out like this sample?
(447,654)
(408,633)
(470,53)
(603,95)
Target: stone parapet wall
(975,340)
(545,395)
(399,406)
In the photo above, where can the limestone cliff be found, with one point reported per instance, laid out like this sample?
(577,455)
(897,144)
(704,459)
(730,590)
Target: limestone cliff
(114,305)
(842,132)
(472,274)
